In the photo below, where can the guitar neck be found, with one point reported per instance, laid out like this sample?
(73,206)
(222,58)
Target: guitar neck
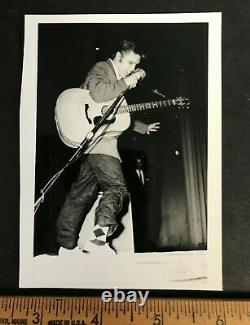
(146,106)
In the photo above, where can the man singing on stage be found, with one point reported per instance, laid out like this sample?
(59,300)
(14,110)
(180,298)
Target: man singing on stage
(101,165)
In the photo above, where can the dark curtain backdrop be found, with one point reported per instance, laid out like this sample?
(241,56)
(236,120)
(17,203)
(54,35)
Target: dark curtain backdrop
(66,52)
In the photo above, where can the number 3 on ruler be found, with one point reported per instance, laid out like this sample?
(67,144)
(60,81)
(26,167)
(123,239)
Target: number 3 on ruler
(36,319)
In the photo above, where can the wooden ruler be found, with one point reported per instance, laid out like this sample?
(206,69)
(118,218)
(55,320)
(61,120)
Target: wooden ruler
(93,311)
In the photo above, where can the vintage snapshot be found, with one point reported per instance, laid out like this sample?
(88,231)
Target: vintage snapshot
(120,157)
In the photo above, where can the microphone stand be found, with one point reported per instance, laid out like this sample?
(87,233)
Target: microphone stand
(81,148)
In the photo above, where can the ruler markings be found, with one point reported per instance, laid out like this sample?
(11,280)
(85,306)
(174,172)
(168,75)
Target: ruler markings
(162,314)
(87,307)
(170,308)
(227,308)
(62,303)
(27,308)
(13,308)
(219,307)
(212,307)
(35,306)
(64,307)
(235,308)
(206,308)
(193,315)
(244,306)
(17,304)
(112,305)
(116,310)
(20,305)
(9,303)
(131,314)
(177,309)
(224,314)
(71,309)
(165,306)
(120,307)
(247,310)
(56,307)
(101,314)
(83,304)
(216,312)
(53,305)
(79,307)
(240,310)
(216,308)
(201,308)
(150,306)
(232,309)
(188,303)
(41,318)
(185,308)
(197,308)
(98,305)
(105,307)
(6,304)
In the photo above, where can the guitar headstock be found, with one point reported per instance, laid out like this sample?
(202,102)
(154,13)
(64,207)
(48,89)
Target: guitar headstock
(182,102)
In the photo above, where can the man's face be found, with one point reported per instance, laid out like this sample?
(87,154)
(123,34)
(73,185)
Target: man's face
(127,63)
(139,163)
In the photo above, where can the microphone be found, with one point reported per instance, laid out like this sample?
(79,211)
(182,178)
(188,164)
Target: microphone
(140,73)
(155,91)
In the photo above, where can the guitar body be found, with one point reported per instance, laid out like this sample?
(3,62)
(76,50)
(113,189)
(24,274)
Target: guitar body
(76,113)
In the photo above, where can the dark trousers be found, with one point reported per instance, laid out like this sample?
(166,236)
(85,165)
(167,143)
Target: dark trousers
(98,172)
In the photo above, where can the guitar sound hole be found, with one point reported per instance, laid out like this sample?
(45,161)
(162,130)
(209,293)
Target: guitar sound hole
(86,113)
(97,120)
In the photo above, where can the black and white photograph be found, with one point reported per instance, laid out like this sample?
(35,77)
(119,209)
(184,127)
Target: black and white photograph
(120,152)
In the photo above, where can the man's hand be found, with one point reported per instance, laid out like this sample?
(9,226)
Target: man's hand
(153,127)
(131,80)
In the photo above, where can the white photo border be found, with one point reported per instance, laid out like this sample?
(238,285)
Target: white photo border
(32,272)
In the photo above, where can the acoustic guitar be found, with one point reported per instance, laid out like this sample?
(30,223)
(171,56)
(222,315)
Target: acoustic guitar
(76,113)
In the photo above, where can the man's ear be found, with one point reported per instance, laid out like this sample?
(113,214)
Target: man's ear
(118,56)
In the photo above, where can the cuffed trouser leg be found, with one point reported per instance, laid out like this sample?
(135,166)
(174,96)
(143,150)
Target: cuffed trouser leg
(79,201)
(110,177)
(98,172)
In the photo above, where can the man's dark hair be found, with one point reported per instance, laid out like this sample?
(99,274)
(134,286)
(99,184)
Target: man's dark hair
(125,46)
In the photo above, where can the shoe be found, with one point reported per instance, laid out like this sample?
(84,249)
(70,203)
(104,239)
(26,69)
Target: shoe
(91,248)
(70,252)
